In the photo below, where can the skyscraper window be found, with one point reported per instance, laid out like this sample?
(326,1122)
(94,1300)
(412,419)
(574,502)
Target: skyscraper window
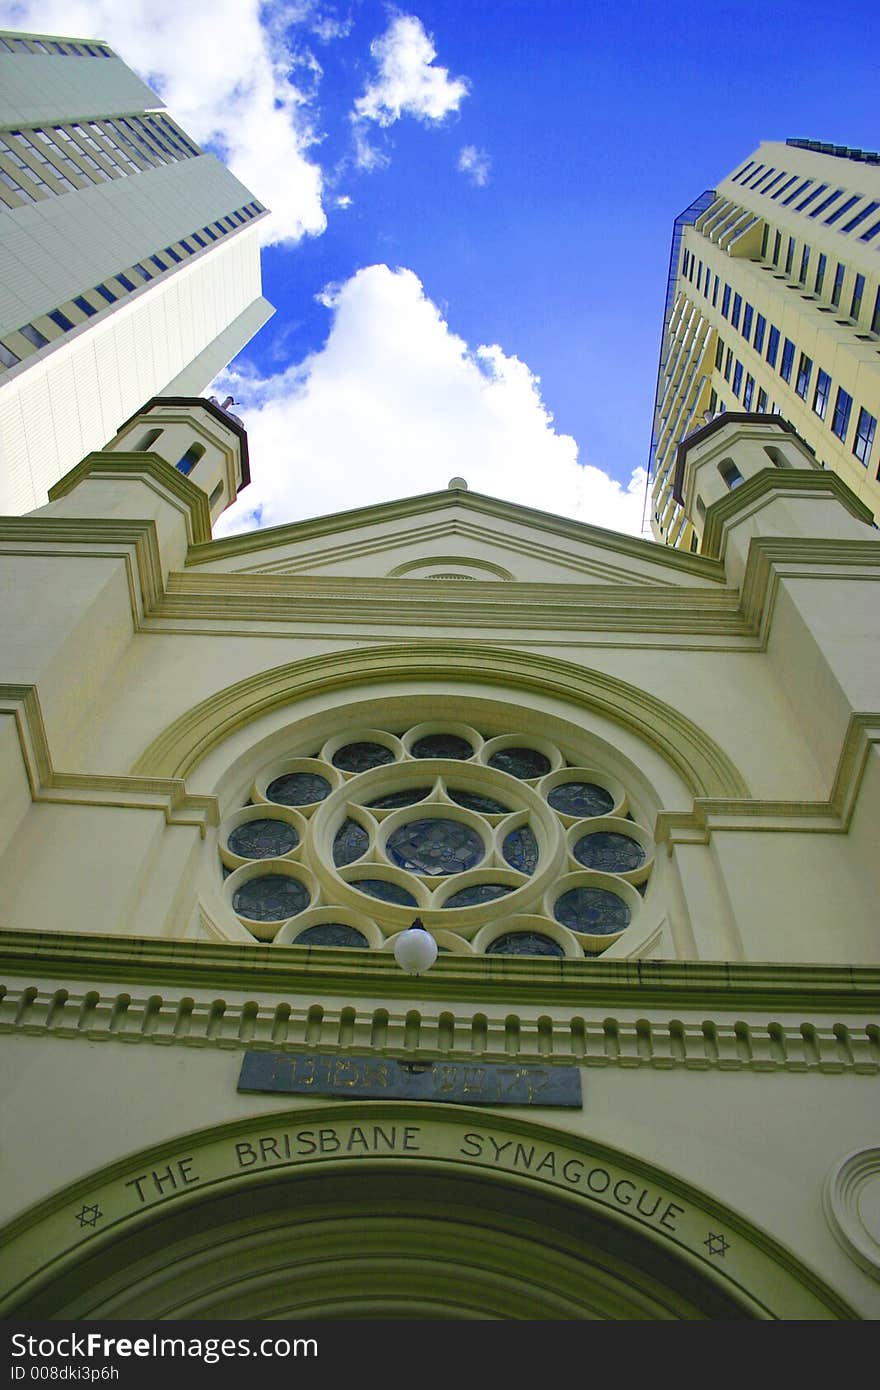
(864,436)
(838,212)
(821,393)
(787,362)
(842,408)
(855,307)
(805,368)
(760,327)
(838,283)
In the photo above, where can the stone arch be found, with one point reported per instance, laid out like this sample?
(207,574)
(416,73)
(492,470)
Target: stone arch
(456,1214)
(704,767)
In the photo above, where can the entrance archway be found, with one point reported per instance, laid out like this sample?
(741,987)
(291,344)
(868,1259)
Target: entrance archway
(364,1211)
(380,1244)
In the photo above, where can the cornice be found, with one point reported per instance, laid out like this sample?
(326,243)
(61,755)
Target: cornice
(319,528)
(833,816)
(167,795)
(240,967)
(774,558)
(221,598)
(591,1013)
(134,542)
(776,482)
(150,468)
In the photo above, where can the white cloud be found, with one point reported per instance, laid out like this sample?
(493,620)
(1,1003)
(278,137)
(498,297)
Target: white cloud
(366,156)
(408,83)
(476,164)
(327,27)
(228,73)
(394,405)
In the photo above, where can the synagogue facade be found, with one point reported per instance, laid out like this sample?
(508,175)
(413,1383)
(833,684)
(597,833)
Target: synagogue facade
(632,793)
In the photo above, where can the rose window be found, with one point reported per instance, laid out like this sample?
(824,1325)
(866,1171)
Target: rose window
(500,844)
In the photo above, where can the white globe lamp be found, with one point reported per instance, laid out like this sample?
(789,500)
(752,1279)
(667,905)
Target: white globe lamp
(415,950)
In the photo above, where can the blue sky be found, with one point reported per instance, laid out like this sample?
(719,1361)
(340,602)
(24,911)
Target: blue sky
(472,206)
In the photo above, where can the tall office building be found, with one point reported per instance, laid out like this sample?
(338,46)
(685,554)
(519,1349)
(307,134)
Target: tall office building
(773,305)
(129,259)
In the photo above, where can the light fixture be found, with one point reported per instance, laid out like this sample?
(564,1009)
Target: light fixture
(415,950)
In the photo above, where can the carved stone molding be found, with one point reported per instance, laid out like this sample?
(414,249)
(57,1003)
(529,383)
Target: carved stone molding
(851,1198)
(579,1040)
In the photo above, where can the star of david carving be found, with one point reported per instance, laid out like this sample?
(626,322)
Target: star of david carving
(716,1244)
(89,1216)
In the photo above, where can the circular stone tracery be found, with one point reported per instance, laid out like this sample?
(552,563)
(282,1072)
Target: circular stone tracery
(523,826)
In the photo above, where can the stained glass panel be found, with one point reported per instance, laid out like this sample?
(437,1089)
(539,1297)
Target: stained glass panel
(271,898)
(435,846)
(486,805)
(298,789)
(609,851)
(520,849)
(331,934)
(478,893)
(386,890)
(442,746)
(592,910)
(360,757)
(524,943)
(520,762)
(581,799)
(350,843)
(262,839)
(394,800)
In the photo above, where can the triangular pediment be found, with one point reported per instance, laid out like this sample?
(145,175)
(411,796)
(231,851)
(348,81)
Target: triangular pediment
(454,536)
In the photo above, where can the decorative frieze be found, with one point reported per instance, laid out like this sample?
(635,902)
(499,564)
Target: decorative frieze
(724,1044)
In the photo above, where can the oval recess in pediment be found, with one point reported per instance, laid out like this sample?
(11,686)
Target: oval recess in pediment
(449,567)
